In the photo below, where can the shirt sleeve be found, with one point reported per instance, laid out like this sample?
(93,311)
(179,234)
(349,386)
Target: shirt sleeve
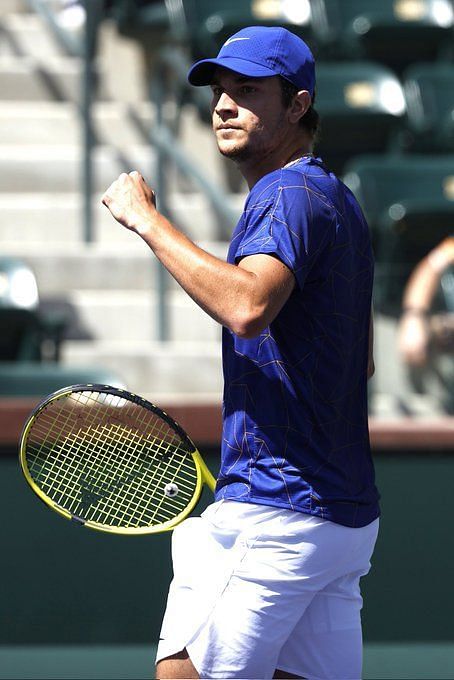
(291,220)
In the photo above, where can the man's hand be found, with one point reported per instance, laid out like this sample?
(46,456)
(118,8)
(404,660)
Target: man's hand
(132,202)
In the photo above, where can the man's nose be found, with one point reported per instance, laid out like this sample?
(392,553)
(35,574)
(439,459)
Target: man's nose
(225,103)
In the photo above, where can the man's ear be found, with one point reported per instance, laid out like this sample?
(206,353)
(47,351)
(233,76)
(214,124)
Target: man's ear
(300,104)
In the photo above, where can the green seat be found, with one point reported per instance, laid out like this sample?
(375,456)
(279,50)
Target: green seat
(209,23)
(409,203)
(361,107)
(429,93)
(203,24)
(394,32)
(28,329)
(20,326)
(133,16)
(24,327)
(18,287)
(20,335)
(34,379)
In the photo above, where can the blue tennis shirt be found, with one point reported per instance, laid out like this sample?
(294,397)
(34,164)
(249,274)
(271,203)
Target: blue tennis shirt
(295,421)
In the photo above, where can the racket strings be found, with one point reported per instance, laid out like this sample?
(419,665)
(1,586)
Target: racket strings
(108,460)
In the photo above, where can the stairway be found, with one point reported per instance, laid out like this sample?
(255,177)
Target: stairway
(109,284)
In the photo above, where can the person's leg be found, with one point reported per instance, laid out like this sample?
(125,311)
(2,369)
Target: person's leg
(284,561)
(175,667)
(327,641)
(237,628)
(295,561)
(179,666)
(327,655)
(204,555)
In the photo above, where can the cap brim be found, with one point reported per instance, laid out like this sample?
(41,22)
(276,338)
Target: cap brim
(203,71)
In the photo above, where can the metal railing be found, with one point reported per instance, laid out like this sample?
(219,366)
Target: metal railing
(159,135)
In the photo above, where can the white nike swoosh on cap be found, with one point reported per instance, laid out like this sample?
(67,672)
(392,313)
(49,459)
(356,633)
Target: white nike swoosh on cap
(231,40)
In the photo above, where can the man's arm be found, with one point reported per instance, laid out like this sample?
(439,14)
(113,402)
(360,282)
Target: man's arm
(422,284)
(414,328)
(244,298)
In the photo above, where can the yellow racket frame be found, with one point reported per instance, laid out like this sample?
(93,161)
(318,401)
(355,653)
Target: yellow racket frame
(204,475)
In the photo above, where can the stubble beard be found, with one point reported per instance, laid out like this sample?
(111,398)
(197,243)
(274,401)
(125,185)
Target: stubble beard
(254,148)
(237,152)
(248,150)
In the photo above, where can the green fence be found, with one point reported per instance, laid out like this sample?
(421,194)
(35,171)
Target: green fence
(65,585)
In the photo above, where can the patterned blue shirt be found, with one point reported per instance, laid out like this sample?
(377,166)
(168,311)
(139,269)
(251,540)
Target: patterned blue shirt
(295,425)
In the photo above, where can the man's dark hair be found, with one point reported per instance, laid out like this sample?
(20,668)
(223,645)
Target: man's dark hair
(311,119)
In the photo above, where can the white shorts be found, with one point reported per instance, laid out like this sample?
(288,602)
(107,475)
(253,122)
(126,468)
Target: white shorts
(258,588)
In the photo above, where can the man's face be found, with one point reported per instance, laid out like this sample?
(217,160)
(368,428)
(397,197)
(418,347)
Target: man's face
(249,119)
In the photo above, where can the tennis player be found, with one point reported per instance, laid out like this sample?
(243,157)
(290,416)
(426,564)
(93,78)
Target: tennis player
(267,582)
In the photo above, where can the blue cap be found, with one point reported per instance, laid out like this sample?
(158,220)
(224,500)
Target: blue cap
(260,51)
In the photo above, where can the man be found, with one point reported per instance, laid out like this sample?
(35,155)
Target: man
(266,582)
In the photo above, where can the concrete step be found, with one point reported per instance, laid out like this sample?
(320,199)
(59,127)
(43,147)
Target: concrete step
(47,79)
(44,125)
(28,35)
(131,315)
(10,6)
(61,270)
(59,123)
(32,222)
(122,57)
(153,369)
(132,266)
(31,169)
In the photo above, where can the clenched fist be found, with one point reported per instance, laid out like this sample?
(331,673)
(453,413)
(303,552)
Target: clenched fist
(132,202)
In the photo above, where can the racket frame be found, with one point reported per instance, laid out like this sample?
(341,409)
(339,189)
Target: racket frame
(204,475)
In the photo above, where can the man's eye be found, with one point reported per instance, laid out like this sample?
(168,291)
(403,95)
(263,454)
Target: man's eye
(217,91)
(247,89)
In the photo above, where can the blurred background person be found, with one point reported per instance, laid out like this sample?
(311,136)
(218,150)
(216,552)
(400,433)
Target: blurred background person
(420,328)
(426,327)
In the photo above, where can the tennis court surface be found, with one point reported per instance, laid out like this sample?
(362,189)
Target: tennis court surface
(135,662)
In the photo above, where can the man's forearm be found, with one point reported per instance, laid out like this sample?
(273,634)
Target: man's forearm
(421,288)
(424,280)
(244,298)
(222,290)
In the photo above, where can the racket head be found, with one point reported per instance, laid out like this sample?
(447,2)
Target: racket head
(111,461)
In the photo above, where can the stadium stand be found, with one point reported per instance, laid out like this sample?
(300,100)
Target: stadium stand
(204,25)
(361,106)
(409,203)
(393,32)
(32,379)
(210,24)
(22,329)
(31,336)
(365,108)
(429,97)
(42,210)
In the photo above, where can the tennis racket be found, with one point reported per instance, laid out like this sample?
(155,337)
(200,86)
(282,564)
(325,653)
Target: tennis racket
(111,461)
